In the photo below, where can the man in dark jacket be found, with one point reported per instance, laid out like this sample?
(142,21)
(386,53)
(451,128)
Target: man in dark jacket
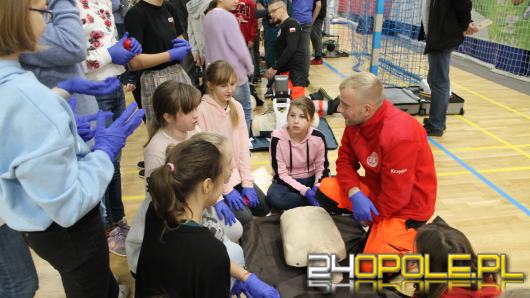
(445,23)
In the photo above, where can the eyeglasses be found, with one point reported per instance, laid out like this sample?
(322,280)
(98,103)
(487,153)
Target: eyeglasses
(46,14)
(274,10)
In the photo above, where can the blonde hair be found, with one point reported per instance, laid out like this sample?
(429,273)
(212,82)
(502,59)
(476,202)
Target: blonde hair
(221,72)
(16,35)
(367,84)
(212,137)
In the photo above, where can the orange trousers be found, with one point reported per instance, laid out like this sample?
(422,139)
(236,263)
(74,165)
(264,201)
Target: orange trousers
(386,235)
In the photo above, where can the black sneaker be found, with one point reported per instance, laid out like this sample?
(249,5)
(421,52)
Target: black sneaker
(268,94)
(333,105)
(324,94)
(141,174)
(433,132)
(427,123)
(140,165)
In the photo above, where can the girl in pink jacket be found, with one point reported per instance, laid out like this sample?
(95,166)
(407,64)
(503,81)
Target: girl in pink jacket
(299,159)
(219,112)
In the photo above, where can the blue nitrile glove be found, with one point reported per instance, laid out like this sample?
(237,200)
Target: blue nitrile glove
(362,207)
(224,213)
(180,42)
(234,200)
(179,51)
(95,88)
(82,122)
(134,46)
(258,289)
(111,139)
(238,288)
(251,195)
(119,54)
(311,197)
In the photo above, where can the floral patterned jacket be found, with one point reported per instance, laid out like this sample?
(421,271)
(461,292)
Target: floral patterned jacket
(101,33)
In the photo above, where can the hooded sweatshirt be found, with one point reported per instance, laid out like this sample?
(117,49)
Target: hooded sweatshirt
(39,138)
(64,51)
(214,118)
(292,160)
(196,10)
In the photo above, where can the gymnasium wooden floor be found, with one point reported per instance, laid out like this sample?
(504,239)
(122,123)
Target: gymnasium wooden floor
(482,163)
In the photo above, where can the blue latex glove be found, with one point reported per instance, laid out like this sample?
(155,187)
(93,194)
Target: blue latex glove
(111,139)
(180,42)
(238,288)
(179,51)
(134,46)
(95,88)
(224,213)
(258,289)
(251,195)
(362,208)
(82,122)
(234,200)
(311,197)
(119,54)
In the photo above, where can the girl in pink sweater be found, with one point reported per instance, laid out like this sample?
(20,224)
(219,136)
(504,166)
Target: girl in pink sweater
(219,112)
(299,159)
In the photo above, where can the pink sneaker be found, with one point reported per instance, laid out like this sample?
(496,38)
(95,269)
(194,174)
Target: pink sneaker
(117,237)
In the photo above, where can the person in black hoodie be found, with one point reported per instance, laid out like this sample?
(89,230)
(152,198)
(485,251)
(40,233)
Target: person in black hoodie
(444,25)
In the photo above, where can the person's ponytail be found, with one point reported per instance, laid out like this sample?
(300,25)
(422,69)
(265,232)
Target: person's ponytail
(168,200)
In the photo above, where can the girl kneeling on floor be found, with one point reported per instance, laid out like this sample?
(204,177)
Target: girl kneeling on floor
(219,112)
(299,159)
(180,257)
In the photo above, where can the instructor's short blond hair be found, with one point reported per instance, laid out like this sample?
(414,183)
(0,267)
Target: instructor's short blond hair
(367,84)
(16,31)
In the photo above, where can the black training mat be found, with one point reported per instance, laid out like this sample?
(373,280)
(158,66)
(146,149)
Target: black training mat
(262,143)
(262,244)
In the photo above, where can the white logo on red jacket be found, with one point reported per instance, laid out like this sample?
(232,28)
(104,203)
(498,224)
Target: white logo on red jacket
(372,160)
(398,171)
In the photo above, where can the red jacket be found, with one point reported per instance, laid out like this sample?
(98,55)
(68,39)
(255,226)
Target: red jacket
(399,169)
(247,19)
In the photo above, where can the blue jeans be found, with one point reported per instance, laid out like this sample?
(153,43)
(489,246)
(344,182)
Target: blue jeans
(18,278)
(115,103)
(438,79)
(283,197)
(242,94)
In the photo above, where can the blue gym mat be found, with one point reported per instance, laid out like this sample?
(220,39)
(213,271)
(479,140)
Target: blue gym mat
(262,143)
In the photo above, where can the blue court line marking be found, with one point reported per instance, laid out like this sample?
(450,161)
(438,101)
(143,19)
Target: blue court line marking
(460,161)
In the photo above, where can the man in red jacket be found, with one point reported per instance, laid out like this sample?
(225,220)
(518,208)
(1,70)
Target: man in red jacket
(397,193)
